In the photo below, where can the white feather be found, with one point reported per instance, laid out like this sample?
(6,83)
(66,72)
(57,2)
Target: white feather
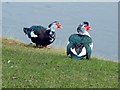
(33,34)
(83,52)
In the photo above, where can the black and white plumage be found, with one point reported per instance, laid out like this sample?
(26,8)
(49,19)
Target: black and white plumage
(81,44)
(42,36)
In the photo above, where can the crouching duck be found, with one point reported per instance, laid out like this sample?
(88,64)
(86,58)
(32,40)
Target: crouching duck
(42,36)
(80,45)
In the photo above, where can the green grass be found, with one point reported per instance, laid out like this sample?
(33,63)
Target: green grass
(24,66)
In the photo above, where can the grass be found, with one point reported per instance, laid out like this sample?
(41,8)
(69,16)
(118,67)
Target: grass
(24,66)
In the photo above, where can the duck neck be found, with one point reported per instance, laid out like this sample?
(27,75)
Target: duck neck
(86,33)
(51,29)
(82,31)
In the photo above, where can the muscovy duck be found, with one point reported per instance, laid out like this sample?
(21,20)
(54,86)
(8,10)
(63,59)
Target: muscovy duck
(42,36)
(80,45)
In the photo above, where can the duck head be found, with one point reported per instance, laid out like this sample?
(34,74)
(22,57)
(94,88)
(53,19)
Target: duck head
(83,28)
(86,26)
(54,25)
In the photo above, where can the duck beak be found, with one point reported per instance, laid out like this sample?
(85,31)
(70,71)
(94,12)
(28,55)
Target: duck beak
(59,25)
(88,28)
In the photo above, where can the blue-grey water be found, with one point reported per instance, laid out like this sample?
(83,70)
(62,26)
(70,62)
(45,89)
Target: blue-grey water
(103,18)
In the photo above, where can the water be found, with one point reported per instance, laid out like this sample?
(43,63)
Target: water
(103,18)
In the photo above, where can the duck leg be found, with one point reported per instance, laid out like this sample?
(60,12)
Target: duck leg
(38,46)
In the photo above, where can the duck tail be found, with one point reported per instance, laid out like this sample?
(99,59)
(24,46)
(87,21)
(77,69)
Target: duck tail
(27,31)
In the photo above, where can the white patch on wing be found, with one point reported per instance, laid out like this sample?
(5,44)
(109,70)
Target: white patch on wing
(33,34)
(81,54)
(73,50)
(91,46)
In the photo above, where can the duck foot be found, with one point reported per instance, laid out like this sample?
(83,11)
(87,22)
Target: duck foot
(38,46)
(46,47)
(29,45)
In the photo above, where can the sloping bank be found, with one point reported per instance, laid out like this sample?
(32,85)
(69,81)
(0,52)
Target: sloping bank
(24,66)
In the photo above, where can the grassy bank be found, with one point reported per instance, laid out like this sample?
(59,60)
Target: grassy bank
(28,67)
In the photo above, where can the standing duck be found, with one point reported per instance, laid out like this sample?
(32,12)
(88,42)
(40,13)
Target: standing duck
(42,36)
(80,45)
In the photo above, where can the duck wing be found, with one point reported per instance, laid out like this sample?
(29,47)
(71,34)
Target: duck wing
(37,29)
(78,42)
(77,38)
(34,29)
